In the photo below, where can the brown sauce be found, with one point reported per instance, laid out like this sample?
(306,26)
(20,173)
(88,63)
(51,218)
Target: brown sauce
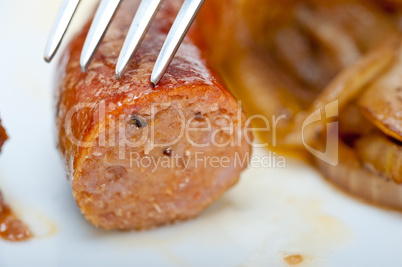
(11,228)
(293,259)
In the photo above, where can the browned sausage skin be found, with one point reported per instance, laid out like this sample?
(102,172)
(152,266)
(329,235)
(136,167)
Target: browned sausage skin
(115,134)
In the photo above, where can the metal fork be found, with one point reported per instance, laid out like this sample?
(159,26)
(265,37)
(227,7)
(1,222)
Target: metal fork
(145,14)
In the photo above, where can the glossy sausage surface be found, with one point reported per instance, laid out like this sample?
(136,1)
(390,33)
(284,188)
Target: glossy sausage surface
(118,179)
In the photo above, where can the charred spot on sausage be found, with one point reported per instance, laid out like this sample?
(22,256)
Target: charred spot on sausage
(138,121)
(168,152)
(198,116)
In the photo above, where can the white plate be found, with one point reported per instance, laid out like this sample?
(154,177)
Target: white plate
(270,214)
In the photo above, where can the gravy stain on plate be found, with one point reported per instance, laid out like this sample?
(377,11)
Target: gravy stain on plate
(39,224)
(11,227)
(294,259)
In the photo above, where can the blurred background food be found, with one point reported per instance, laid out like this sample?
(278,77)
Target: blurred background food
(295,57)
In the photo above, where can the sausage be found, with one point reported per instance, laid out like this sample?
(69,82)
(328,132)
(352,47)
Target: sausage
(140,156)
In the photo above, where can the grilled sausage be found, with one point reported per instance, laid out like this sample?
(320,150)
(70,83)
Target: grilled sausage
(141,156)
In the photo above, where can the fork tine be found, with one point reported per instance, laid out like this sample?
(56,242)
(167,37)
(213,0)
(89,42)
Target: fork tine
(145,14)
(180,27)
(60,26)
(100,23)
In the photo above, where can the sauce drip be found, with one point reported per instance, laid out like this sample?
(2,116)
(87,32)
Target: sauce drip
(11,228)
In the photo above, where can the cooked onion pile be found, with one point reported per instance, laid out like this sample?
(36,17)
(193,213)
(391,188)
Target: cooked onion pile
(295,57)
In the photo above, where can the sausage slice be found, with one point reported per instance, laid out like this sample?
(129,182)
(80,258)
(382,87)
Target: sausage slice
(141,156)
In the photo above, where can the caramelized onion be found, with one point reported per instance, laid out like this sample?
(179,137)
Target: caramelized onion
(381,155)
(345,88)
(338,43)
(353,123)
(351,176)
(382,102)
(352,81)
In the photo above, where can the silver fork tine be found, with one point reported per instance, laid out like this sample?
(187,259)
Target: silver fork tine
(180,27)
(100,23)
(145,14)
(60,26)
